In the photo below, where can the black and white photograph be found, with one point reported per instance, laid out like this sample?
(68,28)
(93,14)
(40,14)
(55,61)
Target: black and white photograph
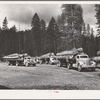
(49,46)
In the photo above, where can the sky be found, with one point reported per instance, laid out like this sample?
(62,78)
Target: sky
(23,13)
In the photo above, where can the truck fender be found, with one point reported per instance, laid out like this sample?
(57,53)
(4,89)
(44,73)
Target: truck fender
(80,63)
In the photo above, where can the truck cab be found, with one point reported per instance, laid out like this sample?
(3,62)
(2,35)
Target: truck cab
(81,61)
(29,61)
(19,59)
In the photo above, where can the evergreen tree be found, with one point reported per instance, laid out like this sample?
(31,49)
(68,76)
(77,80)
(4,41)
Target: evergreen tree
(72,15)
(52,36)
(97,39)
(27,42)
(13,28)
(5,23)
(36,35)
(5,36)
(92,43)
(88,30)
(43,34)
(97,9)
(83,28)
(60,24)
(71,21)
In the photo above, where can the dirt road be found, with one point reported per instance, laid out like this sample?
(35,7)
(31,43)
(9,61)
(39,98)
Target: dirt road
(50,77)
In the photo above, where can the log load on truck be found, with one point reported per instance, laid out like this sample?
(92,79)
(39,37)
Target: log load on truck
(78,60)
(19,59)
(63,58)
(48,58)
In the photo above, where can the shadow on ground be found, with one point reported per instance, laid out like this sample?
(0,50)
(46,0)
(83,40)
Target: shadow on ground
(84,70)
(3,87)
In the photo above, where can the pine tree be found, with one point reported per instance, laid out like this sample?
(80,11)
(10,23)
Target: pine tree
(72,21)
(43,34)
(5,23)
(97,39)
(97,9)
(72,15)
(60,24)
(52,36)
(92,43)
(13,28)
(5,35)
(88,30)
(35,24)
(36,35)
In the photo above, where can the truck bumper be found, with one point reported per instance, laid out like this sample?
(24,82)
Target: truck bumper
(89,66)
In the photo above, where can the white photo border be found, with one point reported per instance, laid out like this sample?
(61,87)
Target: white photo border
(49,94)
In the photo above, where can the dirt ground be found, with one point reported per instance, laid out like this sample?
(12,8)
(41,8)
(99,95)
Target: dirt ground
(47,77)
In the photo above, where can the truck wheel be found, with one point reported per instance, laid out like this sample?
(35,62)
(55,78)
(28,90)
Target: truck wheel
(50,63)
(17,63)
(79,68)
(69,65)
(26,64)
(59,64)
(9,63)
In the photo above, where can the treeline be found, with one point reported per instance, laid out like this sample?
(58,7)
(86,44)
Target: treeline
(37,41)
(67,32)
(91,41)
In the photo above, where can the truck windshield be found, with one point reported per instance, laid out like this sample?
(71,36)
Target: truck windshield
(83,56)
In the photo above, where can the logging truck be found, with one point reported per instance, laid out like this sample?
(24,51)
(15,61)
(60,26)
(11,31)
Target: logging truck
(19,59)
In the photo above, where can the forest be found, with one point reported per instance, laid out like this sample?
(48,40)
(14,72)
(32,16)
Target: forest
(67,32)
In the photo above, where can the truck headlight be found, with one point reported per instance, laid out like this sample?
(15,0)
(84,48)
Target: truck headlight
(93,63)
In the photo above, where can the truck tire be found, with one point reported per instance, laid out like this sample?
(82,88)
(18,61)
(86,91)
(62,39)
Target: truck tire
(59,64)
(66,65)
(17,63)
(79,68)
(69,66)
(8,63)
(26,64)
(50,63)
